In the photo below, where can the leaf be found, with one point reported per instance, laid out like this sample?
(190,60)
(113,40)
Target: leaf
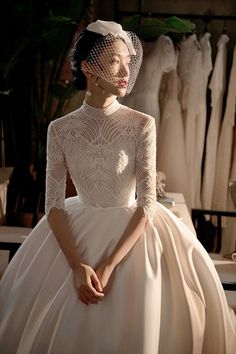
(11,57)
(150,28)
(58,20)
(131,23)
(180,25)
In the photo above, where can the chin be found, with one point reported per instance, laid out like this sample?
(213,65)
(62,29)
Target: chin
(121,92)
(118,91)
(114,90)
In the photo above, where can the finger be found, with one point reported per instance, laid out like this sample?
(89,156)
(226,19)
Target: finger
(93,294)
(96,282)
(93,289)
(83,299)
(90,297)
(87,296)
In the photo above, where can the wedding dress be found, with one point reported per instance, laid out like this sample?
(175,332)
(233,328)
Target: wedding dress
(165,295)
(145,94)
(170,140)
(217,86)
(189,71)
(224,159)
(229,232)
(225,145)
(206,68)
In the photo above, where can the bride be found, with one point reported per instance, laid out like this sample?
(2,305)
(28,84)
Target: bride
(110,271)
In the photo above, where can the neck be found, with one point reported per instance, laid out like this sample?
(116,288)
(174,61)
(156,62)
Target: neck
(96,96)
(100,99)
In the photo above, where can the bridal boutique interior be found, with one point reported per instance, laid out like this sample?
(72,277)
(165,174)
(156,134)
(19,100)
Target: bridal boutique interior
(187,83)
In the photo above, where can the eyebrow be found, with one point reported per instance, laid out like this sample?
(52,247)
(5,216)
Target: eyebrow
(120,55)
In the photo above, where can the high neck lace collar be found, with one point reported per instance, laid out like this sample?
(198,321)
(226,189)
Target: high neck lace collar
(101,112)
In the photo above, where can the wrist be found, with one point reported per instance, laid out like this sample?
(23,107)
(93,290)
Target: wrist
(111,262)
(75,263)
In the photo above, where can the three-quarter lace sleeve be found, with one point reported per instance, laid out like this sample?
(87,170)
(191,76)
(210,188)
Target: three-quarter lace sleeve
(146,168)
(55,173)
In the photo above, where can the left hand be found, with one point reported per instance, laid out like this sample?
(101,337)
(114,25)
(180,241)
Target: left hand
(104,272)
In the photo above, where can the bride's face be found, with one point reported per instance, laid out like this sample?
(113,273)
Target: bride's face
(112,69)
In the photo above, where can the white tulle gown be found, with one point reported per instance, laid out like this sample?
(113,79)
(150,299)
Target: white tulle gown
(164,297)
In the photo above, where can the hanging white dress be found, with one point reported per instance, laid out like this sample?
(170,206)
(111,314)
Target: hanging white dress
(190,74)
(220,197)
(206,69)
(217,86)
(170,143)
(144,95)
(224,151)
(229,232)
(164,297)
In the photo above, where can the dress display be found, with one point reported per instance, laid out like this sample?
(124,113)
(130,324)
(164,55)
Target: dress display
(221,199)
(217,86)
(164,297)
(145,94)
(190,74)
(229,232)
(171,130)
(206,68)
(225,145)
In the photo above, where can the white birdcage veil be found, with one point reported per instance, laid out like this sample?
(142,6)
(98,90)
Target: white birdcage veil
(99,57)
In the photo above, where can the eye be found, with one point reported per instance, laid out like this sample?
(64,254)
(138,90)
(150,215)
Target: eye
(114,61)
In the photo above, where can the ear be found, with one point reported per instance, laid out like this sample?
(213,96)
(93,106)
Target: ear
(85,69)
(84,66)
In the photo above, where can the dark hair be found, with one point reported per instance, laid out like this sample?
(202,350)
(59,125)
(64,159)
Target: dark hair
(82,47)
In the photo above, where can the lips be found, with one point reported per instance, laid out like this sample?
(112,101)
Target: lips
(122,83)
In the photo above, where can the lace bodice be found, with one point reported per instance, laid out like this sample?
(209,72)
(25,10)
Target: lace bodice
(110,154)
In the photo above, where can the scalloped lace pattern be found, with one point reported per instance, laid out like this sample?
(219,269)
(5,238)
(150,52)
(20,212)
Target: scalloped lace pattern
(109,153)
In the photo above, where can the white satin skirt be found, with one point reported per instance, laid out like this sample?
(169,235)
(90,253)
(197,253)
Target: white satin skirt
(165,296)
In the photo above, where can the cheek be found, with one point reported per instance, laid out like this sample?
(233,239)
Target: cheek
(111,71)
(108,69)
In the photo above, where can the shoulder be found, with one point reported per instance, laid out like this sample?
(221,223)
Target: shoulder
(65,122)
(140,118)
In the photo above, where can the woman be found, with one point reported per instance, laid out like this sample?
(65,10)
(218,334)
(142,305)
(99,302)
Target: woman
(105,273)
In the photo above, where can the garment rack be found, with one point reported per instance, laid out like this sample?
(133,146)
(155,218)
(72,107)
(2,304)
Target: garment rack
(205,17)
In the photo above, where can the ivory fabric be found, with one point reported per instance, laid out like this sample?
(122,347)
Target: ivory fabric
(145,94)
(171,157)
(189,71)
(164,297)
(112,28)
(217,86)
(225,146)
(205,70)
(229,232)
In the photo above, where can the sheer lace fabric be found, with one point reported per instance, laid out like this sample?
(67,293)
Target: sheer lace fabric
(107,152)
(175,288)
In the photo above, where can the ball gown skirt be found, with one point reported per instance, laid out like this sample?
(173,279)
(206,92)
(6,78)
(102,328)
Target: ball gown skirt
(164,297)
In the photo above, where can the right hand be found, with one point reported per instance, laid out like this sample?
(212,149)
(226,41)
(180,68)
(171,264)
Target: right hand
(87,284)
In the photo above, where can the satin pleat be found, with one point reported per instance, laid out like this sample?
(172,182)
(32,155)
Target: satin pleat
(165,297)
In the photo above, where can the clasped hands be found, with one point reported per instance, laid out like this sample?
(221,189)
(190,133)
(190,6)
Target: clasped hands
(90,284)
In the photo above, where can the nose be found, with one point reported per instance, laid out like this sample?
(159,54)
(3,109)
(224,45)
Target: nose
(124,71)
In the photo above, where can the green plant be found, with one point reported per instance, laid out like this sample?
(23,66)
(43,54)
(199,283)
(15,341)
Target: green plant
(149,28)
(35,80)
